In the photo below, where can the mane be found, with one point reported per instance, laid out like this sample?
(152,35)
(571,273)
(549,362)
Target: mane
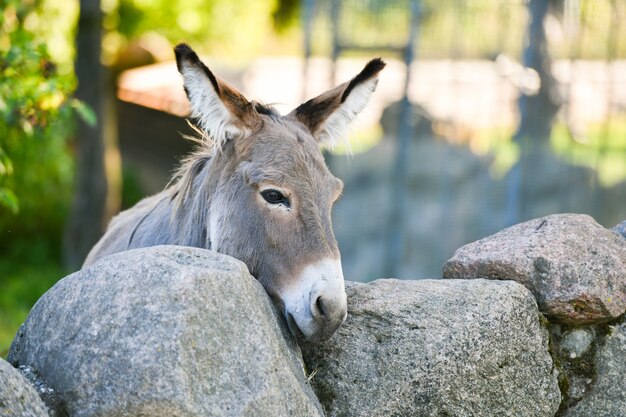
(180,187)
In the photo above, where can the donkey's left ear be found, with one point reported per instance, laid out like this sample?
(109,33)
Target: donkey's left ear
(328,116)
(220,109)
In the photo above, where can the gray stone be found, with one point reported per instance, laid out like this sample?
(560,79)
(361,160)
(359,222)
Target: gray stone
(575,268)
(436,348)
(575,343)
(577,387)
(573,350)
(164,331)
(607,396)
(17,397)
(621,229)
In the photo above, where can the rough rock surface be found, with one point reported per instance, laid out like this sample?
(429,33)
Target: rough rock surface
(46,393)
(621,229)
(607,396)
(575,268)
(164,331)
(17,396)
(436,348)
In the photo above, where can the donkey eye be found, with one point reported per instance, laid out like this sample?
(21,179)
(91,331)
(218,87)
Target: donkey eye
(275,197)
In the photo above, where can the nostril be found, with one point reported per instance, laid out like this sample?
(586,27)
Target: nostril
(319,304)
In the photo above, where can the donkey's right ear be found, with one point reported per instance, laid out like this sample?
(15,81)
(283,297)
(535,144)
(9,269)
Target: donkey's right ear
(329,115)
(222,111)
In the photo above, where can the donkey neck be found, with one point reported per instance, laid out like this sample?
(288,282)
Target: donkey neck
(192,195)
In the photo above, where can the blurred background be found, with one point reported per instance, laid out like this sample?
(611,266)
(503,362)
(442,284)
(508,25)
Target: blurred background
(489,113)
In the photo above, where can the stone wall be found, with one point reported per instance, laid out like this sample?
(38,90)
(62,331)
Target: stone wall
(576,269)
(528,322)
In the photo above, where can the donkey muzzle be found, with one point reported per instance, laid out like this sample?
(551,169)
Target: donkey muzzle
(316,304)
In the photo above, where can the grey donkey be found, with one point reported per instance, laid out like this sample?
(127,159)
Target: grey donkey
(257,189)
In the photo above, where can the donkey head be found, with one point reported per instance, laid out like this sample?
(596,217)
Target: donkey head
(271,207)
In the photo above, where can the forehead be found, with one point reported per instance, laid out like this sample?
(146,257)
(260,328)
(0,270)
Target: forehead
(283,150)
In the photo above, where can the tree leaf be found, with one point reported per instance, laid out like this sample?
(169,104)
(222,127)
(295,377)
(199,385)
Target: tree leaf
(9,200)
(85,112)
(6,166)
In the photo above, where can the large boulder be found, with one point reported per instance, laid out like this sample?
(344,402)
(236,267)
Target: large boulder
(164,331)
(17,396)
(434,348)
(575,268)
(607,396)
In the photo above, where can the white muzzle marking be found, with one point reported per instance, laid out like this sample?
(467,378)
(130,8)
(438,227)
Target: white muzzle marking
(316,303)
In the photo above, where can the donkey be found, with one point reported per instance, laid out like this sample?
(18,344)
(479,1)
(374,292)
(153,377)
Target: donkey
(257,189)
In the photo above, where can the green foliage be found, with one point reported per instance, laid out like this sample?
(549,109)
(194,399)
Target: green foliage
(85,112)
(234,28)
(602,147)
(35,121)
(132,191)
(599,146)
(27,269)
(36,169)
(8,199)
(286,14)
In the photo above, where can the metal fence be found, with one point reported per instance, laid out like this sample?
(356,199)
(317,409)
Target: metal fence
(510,110)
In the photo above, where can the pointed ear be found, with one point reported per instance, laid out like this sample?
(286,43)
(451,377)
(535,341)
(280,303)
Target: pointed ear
(328,116)
(220,109)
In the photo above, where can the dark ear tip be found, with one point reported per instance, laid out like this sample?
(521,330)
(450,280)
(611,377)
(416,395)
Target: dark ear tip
(374,66)
(183,52)
(182,49)
(370,70)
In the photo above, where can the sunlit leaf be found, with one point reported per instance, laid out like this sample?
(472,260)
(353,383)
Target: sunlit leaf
(8,199)
(6,166)
(27,127)
(85,112)
(52,101)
